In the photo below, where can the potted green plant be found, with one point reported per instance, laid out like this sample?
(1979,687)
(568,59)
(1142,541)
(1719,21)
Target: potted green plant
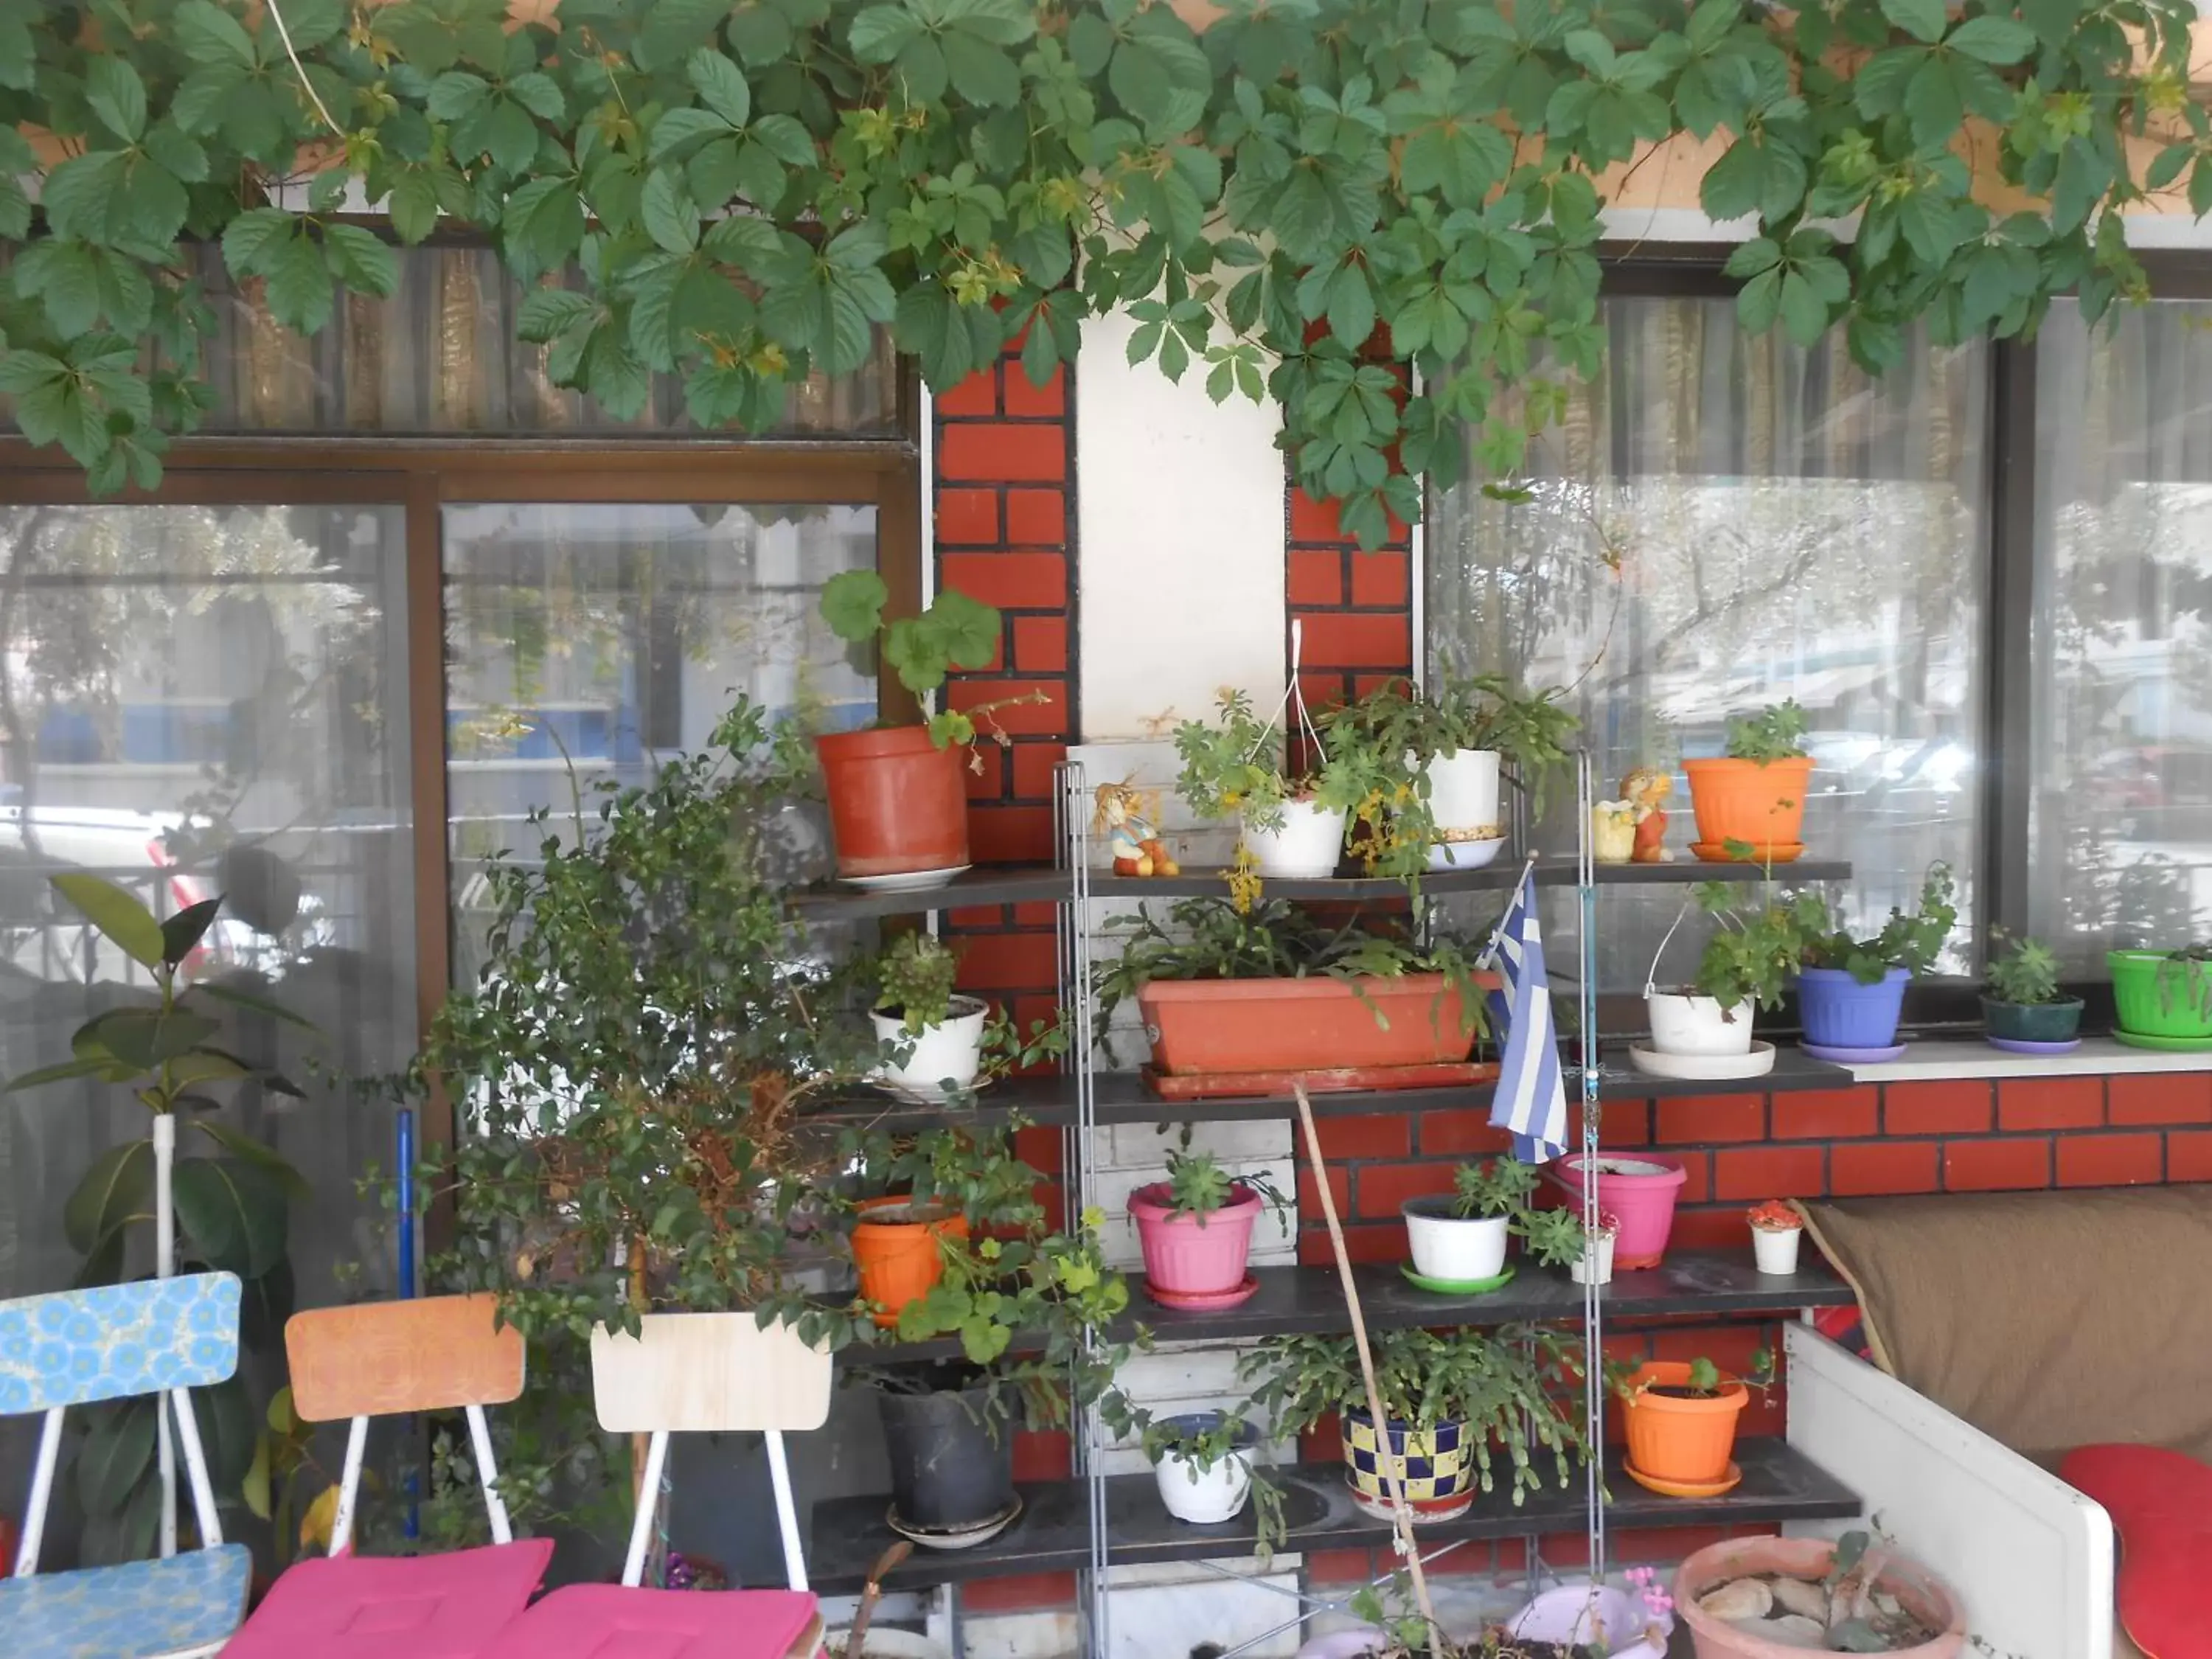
(1458,1237)
(1681,1417)
(1558,1238)
(2023,1009)
(1230,995)
(933,1036)
(1434,759)
(1290,822)
(2163,998)
(898,805)
(1454,1400)
(1750,802)
(1851,990)
(1704,1028)
(1195,1229)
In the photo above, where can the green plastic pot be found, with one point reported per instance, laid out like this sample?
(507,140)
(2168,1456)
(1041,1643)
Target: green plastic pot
(2032,1022)
(2158,997)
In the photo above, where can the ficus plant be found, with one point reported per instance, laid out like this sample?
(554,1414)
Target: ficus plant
(232,1201)
(1382,217)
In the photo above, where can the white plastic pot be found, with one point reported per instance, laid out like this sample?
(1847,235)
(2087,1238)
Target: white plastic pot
(1445,1247)
(886,1644)
(1308,844)
(1213,1495)
(1463,793)
(1595,1265)
(945,1057)
(1684,1024)
(1775,1248)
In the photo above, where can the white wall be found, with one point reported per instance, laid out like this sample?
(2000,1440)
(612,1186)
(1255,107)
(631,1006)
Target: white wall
(1179,541)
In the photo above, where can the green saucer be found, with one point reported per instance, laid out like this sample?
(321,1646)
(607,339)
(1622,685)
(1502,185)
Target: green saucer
(2170,1045)
(1455,1286)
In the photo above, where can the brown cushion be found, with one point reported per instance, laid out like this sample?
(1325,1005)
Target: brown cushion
(2047,1319)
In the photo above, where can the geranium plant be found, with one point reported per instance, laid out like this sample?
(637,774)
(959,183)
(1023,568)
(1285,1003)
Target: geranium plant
(1775,733)
(954,631)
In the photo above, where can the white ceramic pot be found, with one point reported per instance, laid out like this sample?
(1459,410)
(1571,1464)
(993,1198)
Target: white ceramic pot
(1463,793)
(1596,1267)
(1445,1247)
(1697,1026)
(1775,1248)
(1213,1495)
(945,1057)
(886,1644)
(1308,844)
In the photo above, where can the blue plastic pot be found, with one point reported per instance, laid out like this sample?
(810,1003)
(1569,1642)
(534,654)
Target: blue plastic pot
(1839,1012)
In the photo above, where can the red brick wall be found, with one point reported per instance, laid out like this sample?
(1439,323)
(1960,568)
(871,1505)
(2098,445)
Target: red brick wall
(1357,607)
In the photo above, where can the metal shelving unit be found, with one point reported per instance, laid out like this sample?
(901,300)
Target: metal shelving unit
(1092,1522)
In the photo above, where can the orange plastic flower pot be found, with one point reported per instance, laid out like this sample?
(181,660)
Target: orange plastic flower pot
(896,801)
(899,1260)
(1762,803)
(1671,1439)
(1304,1025)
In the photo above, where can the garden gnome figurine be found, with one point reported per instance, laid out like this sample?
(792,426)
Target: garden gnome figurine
(1124,818)
(1612,831)
(1646,789)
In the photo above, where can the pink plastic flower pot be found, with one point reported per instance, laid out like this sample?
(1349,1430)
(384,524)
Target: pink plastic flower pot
(1193,1255)
(1640,1192)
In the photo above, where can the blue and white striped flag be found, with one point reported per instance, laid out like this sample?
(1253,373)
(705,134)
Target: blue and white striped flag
(1532,1095)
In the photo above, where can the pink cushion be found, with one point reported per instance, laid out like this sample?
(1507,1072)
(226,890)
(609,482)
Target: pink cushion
(2160,1503)
(402,1607)
(606,1622)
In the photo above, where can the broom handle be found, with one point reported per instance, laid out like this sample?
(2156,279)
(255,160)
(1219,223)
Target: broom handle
(1393,1483)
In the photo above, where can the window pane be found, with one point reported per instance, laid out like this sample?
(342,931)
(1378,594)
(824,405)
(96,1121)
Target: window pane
(2120,820)
(608,635)
(196,701)
(1727,522)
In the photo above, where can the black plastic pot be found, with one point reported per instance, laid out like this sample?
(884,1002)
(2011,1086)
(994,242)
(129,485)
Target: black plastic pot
(2032,1022)
(950,1465)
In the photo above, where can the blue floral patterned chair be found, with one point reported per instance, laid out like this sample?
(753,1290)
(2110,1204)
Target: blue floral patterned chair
(78,1348)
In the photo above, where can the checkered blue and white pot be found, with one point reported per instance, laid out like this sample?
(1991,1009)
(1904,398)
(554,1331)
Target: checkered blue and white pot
(1438,1465)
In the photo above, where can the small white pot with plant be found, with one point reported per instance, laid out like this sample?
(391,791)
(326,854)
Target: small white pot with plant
(1776,1232)
(1460,1236)
(936,1043)
(1558,1238)
(1704,1028)
(1292,822)
(1203,1462)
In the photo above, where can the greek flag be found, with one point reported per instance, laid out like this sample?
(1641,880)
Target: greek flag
(1532,1097)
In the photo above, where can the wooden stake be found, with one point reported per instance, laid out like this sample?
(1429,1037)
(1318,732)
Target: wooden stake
(1402,1511)
(638,1444)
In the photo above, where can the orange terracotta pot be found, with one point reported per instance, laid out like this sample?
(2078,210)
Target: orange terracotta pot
(1304,1025)
(1688,1441)
(1926,1597)
(900,1259)
(1759,802)
(897,802)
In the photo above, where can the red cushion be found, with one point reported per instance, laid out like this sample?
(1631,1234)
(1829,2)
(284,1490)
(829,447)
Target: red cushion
(2160,1503)
(394,1607)
(607,1621)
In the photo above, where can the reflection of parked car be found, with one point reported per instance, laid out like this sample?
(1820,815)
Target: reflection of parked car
(2156,791)
(43,935)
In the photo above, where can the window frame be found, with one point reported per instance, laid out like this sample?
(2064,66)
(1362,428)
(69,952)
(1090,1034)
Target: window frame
(423,476)
(2004,772)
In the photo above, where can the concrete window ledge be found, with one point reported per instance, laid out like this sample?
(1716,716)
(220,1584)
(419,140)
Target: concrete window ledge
(1936,1058)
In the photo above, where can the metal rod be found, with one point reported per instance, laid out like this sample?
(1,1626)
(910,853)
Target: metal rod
(1593,1118)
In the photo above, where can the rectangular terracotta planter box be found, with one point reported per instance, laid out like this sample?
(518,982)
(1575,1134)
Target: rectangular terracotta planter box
(1304,1025)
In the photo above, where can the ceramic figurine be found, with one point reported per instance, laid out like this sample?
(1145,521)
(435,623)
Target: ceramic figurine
(1127,818)
(1646,789)
(1612,831)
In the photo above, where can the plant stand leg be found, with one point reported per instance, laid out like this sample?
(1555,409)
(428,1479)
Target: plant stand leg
(165,1266)
(1404,1541)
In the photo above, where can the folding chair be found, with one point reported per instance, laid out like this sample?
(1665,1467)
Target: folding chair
(160,1336)
(709,1372)
(376,1360)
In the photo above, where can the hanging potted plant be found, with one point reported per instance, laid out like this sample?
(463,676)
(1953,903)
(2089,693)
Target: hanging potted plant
(1292,822)
(2163,998)
(1704,1028)
(1240,1001)
(1454,1400)
(1195,1229)
(1023,1302)
(2022,1010)
(898,807)
(1750,803)
(1851,992)
(1558,1238)
(1681,1420)
(1458,1238)
(1436,760)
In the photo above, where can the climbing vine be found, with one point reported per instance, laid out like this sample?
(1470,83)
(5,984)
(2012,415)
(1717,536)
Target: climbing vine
(1300,201)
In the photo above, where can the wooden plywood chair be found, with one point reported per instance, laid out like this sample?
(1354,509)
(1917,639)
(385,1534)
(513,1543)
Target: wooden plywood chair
(709,1373)
(81,1347)
(380,1359)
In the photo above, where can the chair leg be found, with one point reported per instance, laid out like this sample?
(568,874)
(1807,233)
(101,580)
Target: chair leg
(807,1644)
